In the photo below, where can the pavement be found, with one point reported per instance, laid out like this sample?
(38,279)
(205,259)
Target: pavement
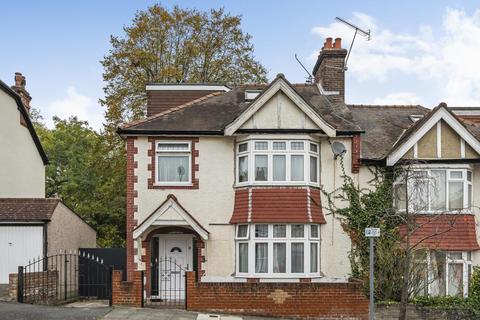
(93,310)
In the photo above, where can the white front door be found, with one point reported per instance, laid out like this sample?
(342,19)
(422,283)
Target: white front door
(175,257)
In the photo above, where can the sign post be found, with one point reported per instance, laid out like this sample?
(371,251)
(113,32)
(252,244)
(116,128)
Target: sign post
(372,233)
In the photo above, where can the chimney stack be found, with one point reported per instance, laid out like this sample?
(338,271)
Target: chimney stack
(19,88)
(329,71)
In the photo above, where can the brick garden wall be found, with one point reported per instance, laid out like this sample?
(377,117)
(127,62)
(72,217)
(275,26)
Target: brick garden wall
(298,300)
(38,286)
(127,293)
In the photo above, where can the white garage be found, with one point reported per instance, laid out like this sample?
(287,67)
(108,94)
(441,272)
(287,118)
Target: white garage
(18,244)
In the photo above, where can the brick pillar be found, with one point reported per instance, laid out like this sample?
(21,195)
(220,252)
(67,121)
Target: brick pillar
(131,208)
(356,146)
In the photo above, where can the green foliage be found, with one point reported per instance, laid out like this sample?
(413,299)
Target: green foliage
(88,175)
(173,46)
(371,207)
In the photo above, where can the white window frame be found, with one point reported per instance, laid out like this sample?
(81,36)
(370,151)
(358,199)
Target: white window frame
(172,153)
(288,153)
(466,206)
(306,240)
(466,264)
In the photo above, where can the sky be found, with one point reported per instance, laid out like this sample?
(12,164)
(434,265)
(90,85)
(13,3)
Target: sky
(420,52)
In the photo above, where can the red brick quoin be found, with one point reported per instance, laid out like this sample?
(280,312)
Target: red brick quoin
(131,207)
(152,164)
(297,300)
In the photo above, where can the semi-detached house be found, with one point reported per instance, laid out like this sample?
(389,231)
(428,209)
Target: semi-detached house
(227,181)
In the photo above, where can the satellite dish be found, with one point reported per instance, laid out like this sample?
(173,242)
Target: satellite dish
(338,149)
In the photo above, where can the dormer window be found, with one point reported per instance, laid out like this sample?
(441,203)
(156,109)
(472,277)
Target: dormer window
(277,162)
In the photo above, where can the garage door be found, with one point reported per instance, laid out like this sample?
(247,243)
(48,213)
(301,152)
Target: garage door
(18,244)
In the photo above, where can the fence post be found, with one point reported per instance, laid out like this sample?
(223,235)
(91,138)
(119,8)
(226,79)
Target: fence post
(110,284)
(186,288)
(20,284)
(143,288)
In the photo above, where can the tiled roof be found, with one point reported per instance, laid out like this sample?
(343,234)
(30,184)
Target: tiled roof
(383,126)
(455,232)
(211,114)
(27,209)
(282,205)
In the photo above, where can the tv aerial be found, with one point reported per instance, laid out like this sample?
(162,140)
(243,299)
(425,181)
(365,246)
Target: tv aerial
(358,30)
(309,78)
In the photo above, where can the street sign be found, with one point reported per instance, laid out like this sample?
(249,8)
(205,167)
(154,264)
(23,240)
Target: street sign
(372,232)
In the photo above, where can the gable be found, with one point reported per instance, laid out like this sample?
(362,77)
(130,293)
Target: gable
(440,136)
(279,85)
(279,112)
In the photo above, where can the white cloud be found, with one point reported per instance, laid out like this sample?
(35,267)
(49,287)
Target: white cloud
(398,98)
(74,104)
(449,62)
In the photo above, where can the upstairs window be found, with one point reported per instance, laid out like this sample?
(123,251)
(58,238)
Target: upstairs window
(278,162)
(435,190)
(173,162)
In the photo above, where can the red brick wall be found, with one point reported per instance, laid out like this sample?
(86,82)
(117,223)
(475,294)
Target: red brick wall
(193,169)
(127,293)
(298,300)
(356,145)
(131,207)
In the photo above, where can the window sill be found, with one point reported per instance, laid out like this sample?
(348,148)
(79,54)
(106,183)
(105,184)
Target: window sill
(166,185)
(286,278)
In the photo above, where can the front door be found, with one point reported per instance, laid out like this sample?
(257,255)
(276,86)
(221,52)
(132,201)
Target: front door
(175,257)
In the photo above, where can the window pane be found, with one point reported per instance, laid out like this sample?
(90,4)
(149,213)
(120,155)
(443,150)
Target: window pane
(297,231)
(261,257)
(439,190)
(469,203)
(243,147)
(297,257)
(438,262)
(261,168)
(456,174)
(261,230)
(455,195)
(400,198)
(278,145)
(296,145)
(297,168)
(173,169)
(242,231)
(313,257)
(455,255)
(419,189)
(279,257)
(469,176)
(279,168)
(243,257)
(243,169)
(173,147)
(455,279)
(279,231)
(314,231)
(313,147)
(261,145)
(313,169)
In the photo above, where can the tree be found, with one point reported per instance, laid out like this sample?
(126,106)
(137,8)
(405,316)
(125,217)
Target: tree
(181,45)
(82,174)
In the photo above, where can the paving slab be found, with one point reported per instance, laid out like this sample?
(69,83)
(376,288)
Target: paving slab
(23,311)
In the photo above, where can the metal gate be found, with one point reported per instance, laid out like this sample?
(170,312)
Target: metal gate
(167,284)
(64,277)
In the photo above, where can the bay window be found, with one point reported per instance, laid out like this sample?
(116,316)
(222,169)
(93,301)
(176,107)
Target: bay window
(278,250)
(173,162)
(435,190)
(277,162)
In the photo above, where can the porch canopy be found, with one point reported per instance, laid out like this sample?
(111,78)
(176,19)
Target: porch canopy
(170,214)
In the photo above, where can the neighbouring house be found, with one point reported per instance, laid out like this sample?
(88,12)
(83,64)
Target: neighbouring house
(227,181)
(31,226)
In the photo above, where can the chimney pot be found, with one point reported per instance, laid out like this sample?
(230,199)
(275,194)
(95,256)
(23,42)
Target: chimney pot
(338,43)
(19,79)
(328,43)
